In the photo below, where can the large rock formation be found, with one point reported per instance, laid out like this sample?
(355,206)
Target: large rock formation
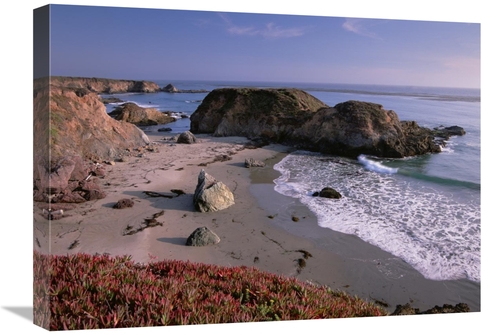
(211,195)
(294,117)
(72,131)
(130,112)
(272,113)
(103,85)
(354,127)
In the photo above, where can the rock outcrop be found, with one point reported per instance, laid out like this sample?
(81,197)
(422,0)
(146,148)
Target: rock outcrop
(211,195)
(354,127)
(131,113)
(67,180)
(446,308)
(201,237)
(74,122)
(72,125)
(293,117)
(270,113)
(172,89)
(103,85)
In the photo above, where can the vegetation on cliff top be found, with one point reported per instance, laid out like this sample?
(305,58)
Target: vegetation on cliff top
(88,292)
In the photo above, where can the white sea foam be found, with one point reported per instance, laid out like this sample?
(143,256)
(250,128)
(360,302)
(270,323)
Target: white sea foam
(435,231)
(375,166)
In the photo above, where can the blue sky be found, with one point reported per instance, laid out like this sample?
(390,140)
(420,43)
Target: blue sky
(132,43)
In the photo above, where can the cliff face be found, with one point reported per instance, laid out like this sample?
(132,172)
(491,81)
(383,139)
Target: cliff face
(71,128)
(75,122)
(102,85)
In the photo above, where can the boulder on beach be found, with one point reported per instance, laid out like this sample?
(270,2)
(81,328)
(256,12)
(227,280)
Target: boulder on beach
(186,137)
(211,195)
(201,237)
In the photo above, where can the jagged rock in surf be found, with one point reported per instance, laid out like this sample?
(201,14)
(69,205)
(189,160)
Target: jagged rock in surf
(328,192)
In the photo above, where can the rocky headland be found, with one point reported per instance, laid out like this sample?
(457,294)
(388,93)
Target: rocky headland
(104,85)
(72,134)
(293,117)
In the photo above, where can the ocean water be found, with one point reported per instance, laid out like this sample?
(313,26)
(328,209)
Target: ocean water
(424,210)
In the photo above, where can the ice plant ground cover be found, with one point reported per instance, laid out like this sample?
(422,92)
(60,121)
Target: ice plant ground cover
(87,292)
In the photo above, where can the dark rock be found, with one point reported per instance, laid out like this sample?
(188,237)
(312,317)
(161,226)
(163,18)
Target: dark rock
(250,162)
(124,203)
(187,138)
(405,310)
(458,308)
(170,88)
(328,192)
(202,237)
(408,310)
(110,100)
(447,132)
(211,195)
(167,129)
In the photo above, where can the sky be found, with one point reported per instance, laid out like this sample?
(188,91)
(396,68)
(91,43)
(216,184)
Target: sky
(162,44)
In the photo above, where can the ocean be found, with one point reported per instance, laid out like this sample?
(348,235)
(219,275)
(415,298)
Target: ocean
(424,210)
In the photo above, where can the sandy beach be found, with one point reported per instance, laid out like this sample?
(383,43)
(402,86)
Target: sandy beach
(258,231)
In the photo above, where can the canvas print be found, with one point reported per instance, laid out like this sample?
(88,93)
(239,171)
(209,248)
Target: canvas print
(201,167)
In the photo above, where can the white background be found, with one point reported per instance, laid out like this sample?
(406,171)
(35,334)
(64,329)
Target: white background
(16,161)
